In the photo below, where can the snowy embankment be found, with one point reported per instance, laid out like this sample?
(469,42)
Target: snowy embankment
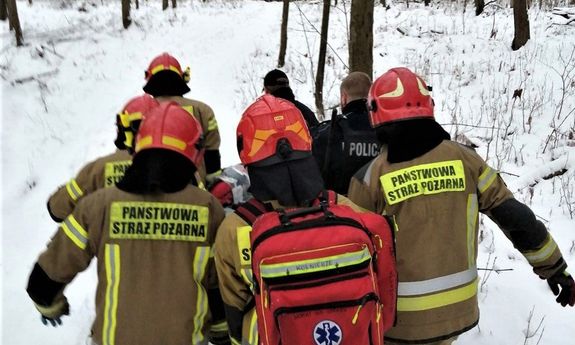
(61,91)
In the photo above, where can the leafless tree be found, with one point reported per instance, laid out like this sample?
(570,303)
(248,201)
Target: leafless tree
(521,23)
(361,36)
(3,10)
(174,4)
(283,35)
(14,21)
(479,6)
(126,20)
(321,59)
(426,2)
(164,4)
(137,4)
(383,2)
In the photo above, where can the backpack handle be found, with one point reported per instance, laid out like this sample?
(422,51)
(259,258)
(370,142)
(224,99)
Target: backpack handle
(286,217)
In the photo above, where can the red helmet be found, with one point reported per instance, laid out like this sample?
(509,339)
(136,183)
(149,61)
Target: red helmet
(272,130)
(399,94)
(171,127)
(128,120)
(167,62)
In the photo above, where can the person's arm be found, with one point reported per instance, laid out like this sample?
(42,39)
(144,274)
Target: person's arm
(62,202)
(527,234)
(236,294)
(69,252)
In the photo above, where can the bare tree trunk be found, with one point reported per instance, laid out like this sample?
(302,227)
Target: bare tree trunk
(361,36)
(137,4)
(30,2)
(321,59)
(126,20)
(14,21)
(521,23)
(3,10)
(283,35)
(164,4)
(174,4)
(479,6)
(426,2)
(383,2)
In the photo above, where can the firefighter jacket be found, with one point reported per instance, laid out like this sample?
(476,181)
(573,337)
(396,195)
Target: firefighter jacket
(155,264)
(344,144)
(205,115)
(435,200)
(233,264)
(102,172)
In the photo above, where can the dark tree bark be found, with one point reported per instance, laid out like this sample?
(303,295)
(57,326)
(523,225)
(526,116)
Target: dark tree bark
(174,4)
(383,2)
(283,35)
(426,2)
(361,36)
(521,23)
(14,21)
(3,10)
(137,4)
(126,20)
(321,59)
(164,4)
(479,6)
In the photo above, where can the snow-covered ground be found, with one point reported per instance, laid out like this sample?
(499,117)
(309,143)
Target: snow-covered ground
(85,67)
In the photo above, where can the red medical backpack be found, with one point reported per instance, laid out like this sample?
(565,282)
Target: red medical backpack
(324,275)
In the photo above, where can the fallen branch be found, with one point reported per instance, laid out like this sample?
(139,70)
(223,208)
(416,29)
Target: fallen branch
(555,174)
(496,270)
(34,77)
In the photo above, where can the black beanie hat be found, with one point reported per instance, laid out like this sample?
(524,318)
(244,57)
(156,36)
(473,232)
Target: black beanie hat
(275,79)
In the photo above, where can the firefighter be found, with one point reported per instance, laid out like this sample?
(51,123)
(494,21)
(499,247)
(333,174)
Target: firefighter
(347,142)
(435,189)
(283,173)
(166,81)
(276,83)
(107,170)
(153,235)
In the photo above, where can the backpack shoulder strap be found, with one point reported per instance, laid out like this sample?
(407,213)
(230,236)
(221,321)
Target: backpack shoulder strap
(250,210)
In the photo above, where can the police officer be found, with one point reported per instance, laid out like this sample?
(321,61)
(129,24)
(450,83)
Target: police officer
(107,170)
(435,189)
(347,142)
(283,173)
(153,235)
(166,81)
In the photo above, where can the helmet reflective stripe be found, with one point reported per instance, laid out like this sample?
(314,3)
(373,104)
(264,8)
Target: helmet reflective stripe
(175,142)
(398,92)
(160,68)
(424,91)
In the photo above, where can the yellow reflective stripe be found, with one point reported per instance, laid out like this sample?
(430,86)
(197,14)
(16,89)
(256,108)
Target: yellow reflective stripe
(438,284)
(74,190)
(472,215)
(314,265)
(157,69)
(235,342)
(486,179)
(253,335)
(424,179)
(244,246)
(144,142)
(112,263)
(221,326)
(200,264)
(212,124)
(200,181)
(189,109)
(542,254)
(75,231)
(174,142)
(437,300)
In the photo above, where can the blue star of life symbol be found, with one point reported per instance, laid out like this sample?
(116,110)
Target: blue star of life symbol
(327,333)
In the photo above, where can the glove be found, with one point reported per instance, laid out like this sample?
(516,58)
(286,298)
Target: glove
(52,314)
(567,284)
(223,192)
